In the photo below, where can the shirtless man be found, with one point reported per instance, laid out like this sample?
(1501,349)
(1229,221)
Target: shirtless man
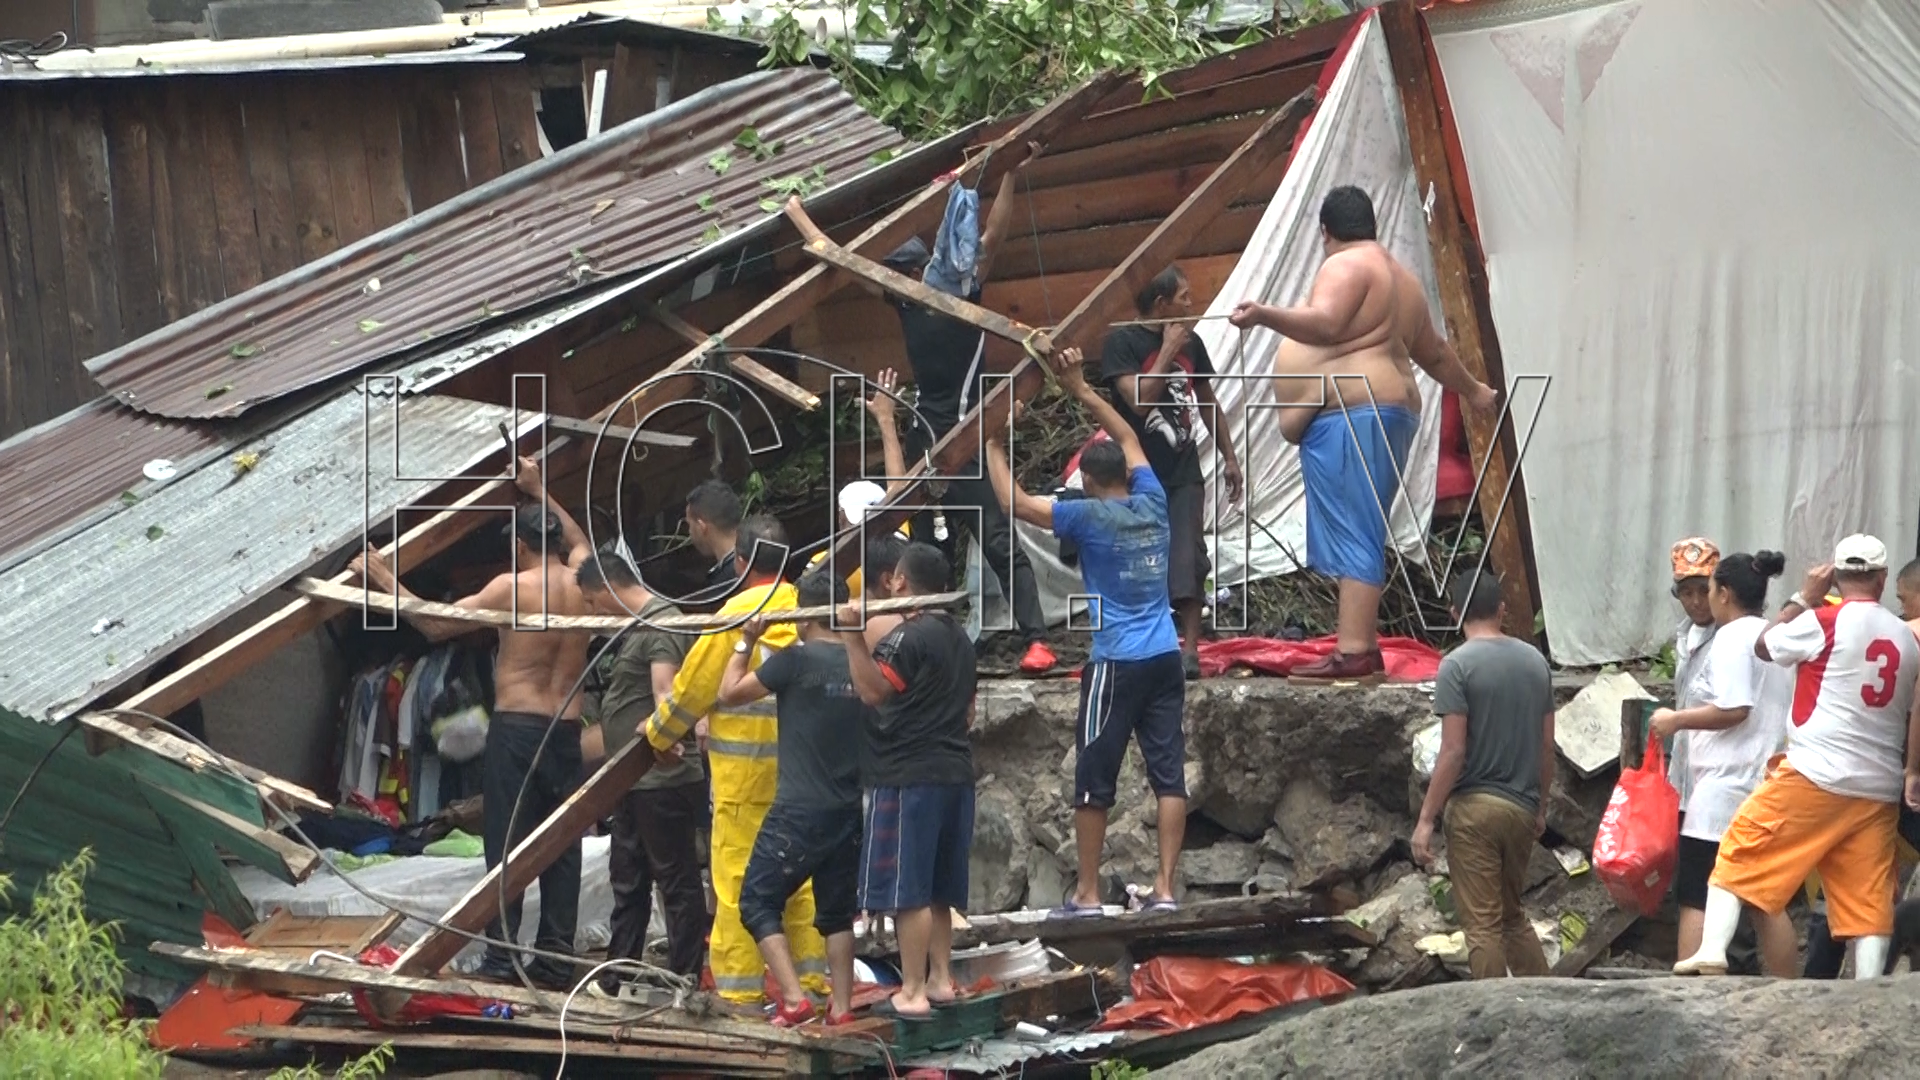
(1361,331)
(532,676)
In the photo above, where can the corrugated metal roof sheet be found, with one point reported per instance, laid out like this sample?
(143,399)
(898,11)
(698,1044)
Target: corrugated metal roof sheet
(102,605)
(53,474)
(633,198)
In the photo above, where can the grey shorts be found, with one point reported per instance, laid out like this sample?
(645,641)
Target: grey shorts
(1187,564)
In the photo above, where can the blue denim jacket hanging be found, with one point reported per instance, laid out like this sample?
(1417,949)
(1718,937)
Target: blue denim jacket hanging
(956,249)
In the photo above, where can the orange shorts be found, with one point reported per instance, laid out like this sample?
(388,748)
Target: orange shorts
(1789,828)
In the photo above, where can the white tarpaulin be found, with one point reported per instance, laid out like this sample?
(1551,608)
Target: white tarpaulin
(1359,138)
(1700,220)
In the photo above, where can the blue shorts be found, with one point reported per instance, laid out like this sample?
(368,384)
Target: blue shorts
(1352,461)
(1139,700)
(917,843)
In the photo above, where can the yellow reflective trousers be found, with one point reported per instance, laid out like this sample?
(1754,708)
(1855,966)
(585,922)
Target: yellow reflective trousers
(742,752)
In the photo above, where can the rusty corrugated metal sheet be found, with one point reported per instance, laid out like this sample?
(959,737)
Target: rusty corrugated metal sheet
(51,476)
(633,198)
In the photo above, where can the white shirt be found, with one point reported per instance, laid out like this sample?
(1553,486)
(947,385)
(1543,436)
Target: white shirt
(1853,689)
(1690,643)
(1724,766)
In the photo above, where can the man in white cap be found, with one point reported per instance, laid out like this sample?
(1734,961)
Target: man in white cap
(1833,804)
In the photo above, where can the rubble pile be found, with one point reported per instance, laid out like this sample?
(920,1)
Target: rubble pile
(1563,1027)
(1295,790)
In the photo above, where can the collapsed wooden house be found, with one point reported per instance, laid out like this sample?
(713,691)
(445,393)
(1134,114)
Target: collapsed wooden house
(585,304)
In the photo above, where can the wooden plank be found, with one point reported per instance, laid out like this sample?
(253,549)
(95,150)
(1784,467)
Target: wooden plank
(918,213)
(632,84)
(196,226)
(230,177)
(278,226)
(108,731)
(1255,93)
(58,360)
(130,181)
(744,366)
(315,229)
(386,167)
(1502,493)
(430,140)
(1599,939)
(347,160)
(818,246)
(1101,249)
(81,178)
(770,1062)
(166,257)
(1083,326)
(513,111)
(26,401)
(375,601)
(1204,142)
(589,431)
(479,129)
(1141,197)
(330,976)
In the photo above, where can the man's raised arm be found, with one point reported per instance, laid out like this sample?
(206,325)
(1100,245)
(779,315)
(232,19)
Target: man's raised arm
(529,480)
(496,596)
(1066,365)
(1007,491)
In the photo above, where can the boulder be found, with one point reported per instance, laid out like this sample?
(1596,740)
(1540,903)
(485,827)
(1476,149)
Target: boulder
(997,866)
(1333,842)
(1228,864)
(1653,1028)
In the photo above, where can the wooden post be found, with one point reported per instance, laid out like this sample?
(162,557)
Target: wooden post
(1109,299)
(1456,263)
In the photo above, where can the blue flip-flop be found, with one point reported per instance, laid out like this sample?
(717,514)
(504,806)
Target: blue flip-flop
(1162,904)
(1071,910)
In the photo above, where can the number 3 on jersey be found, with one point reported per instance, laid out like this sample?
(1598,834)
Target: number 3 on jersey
(1887,655)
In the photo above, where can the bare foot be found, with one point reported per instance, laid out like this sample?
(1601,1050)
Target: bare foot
(943,995)
(909,1007)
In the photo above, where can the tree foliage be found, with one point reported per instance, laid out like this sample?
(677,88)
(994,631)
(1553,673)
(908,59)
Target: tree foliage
(952,62)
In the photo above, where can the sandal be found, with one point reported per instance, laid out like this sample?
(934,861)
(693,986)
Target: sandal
(1161,904)
(890,1011)
(1073,910)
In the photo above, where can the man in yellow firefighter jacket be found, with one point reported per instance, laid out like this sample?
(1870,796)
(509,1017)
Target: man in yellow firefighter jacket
(741,744)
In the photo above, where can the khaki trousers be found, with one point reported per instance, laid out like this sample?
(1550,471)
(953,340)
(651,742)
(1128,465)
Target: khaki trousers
(1489,840)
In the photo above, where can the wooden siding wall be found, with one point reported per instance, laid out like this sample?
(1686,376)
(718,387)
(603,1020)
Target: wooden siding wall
(129,203)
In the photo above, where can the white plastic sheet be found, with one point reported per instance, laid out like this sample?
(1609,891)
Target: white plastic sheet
(429,886)
(1700,220)
(1357,137)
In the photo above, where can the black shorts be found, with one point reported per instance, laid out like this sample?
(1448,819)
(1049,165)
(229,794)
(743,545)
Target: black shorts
(1187,564)
(1145,700)
(1691,871)
(796,843)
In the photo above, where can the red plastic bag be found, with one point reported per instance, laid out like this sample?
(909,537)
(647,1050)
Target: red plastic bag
(1640,834)
(1186,992)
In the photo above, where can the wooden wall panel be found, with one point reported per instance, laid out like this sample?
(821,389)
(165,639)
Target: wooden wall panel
(311,172)
(268,165)
(230,177)
(197,237)
(130,176)
(386,161)
(79,165)
(479,129)
(49,273)
(25,399)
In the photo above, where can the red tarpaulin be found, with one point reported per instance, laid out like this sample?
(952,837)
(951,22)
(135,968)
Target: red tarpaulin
(1407,660)
(1186,992)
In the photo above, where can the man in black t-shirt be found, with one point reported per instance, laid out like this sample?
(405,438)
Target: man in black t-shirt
(919,775)
(948,357)
(713,516)
(1158,378)
(813,829)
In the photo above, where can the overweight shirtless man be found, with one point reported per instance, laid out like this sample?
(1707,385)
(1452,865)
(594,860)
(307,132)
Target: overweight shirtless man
(532,677)
(1364,326)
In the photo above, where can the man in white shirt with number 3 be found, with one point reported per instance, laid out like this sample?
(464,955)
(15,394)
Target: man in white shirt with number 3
(1833,804)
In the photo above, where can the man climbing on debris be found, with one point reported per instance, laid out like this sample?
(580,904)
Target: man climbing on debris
(533,678)
(656,825)
(918,836)
(1133,687)
(813,830)
(1159,377)
(1494,697)
(1833,804)
(1345,366)
(948,358)
(713,515)
(742,742)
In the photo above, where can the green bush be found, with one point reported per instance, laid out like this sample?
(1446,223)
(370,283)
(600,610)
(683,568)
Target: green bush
(60,987)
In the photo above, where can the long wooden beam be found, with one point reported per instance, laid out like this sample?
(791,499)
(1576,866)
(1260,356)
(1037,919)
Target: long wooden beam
(1086,323)
(820,247)
(1456,262)
(354,595)
(918,213)
(743,365)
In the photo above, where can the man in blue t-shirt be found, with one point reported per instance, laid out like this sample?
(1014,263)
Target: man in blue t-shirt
(1133,687)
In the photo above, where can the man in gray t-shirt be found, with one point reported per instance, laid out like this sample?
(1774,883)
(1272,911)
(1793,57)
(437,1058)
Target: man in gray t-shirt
(1495,700)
